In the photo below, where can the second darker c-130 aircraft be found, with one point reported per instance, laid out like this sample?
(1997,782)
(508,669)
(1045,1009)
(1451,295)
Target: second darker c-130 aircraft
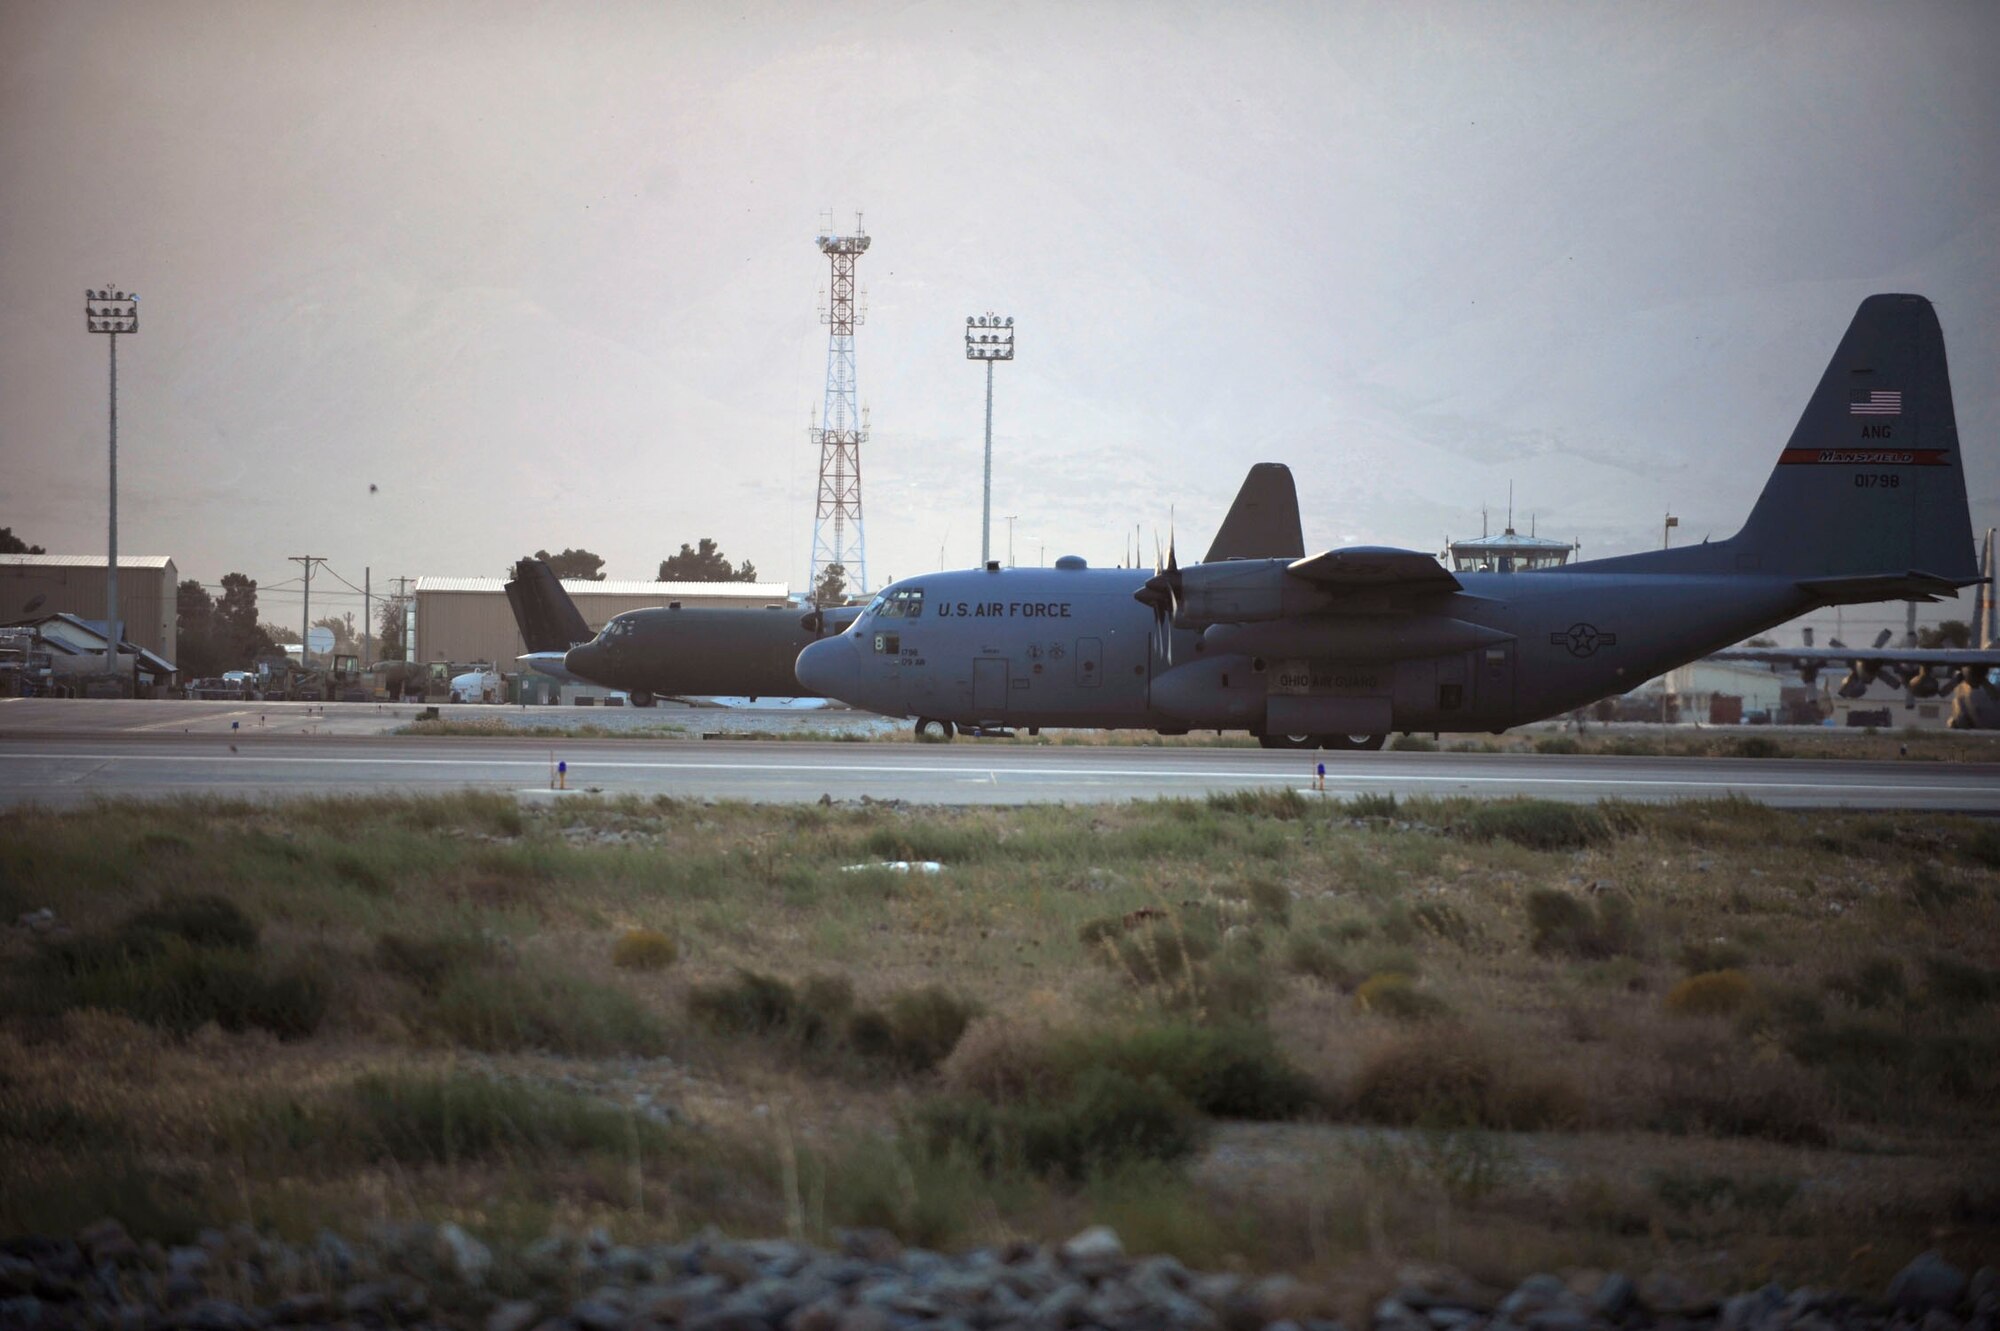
(1866,502)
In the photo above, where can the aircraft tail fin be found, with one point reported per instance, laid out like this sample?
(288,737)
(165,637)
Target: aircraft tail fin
(1869,494)
(549,621)
(1263,523)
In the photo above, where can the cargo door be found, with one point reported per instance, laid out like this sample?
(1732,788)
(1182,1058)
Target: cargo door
(989,686)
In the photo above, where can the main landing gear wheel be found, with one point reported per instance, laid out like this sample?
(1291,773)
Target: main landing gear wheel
(1368,742)
(1286,741)
(641,698)
(934,730)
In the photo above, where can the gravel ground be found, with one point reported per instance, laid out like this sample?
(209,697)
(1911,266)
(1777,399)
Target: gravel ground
(423,1275)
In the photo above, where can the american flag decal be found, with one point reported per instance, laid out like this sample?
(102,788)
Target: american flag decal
(1877,402)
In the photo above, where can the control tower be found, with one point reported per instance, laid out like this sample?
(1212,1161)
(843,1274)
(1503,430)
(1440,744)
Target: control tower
(838,536)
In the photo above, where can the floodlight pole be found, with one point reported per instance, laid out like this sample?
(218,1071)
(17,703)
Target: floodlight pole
(112,312)
(988,337)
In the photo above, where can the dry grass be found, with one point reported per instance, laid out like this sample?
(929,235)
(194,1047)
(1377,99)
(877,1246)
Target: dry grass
(1574,1028)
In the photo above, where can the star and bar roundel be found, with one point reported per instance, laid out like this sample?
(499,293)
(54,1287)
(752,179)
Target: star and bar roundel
(1583,639)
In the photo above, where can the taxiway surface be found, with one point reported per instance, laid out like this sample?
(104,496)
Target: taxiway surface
(56,756)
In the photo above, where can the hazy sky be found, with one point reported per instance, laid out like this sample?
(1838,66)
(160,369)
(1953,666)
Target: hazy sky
(545,273)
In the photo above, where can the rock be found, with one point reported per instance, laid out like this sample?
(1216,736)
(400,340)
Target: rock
(23,1310)
(1559,1319)
(333,1255)
(1534,1294)
(871,1245)
(300,1309)
(865,1318)
(1093,1253)
(1746,1311)
(1615,1296)
(106,1241)
(1928,1282)
(1984,1281)
(821,1316)
(597,1315)
(218,1315)
(1939,1320)
(1392,1315)
(513,1315)
(462,1255)
(1671,1296)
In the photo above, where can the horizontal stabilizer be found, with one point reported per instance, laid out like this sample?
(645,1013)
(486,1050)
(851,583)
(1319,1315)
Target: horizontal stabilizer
(1360,566)
(1911,586)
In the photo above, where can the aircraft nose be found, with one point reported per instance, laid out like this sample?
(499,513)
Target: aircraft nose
(578,659)
(827,669)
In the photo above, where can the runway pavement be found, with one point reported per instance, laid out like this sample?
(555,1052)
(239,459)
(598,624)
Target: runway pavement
(62,755)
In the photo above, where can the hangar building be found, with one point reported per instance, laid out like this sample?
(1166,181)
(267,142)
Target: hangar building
(468,620)
(74,585)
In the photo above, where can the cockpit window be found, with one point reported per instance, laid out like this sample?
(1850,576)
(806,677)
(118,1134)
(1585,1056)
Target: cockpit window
(903,603)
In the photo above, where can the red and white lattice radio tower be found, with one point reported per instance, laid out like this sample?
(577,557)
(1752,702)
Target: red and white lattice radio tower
(838,536)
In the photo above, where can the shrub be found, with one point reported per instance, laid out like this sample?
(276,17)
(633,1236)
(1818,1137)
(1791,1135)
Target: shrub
(168,982)
(1413,744)
(751,1003)
(1441,919)
(1272,802)
(1226,1071)
(428,961)
(1716,955)
(1372,806)
(1983,846)
(1561,923)
(1271,901)
(1878,982)
(431,1119)
(832,996)
(1714,1088)
(1558,744)
(1446,1078)
(1109,1119)
(1757,746)
(1535,824)
(532,1008)
(1321,958)
(1710,994)
(1161,952)
(917,1031)
(644,950)
(1394,994)
(1010,1059)
(1958,985)
(1931,892)
(204,920)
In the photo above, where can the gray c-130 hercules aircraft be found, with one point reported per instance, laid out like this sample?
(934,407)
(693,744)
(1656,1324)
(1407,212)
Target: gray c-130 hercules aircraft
(1867,502)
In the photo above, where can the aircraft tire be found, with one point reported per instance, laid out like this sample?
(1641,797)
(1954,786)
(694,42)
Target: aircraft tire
(640,698)
(1352,742)
(932,729)
(1287,741)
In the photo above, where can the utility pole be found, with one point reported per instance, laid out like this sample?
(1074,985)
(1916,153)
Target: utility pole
(1009,520)
(988,337)
(367,614)
(112,312)
(305,613)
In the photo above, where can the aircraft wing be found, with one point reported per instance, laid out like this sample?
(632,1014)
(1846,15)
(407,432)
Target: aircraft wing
(1373,567)
(1951,658)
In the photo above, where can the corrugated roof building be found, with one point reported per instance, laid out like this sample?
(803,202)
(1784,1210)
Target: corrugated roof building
(467,620)
(74,585)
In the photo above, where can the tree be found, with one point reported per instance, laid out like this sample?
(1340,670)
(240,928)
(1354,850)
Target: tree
(10,544)
(389,630)
(578,563)
(831,589)
(279,635)
(195,631)
(1950,633)
(706,564)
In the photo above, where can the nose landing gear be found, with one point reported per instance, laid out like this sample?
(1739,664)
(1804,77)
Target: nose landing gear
(939,732)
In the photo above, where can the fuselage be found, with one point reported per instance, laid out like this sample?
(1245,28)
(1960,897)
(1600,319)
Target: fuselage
(703,652)
(1072,647)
